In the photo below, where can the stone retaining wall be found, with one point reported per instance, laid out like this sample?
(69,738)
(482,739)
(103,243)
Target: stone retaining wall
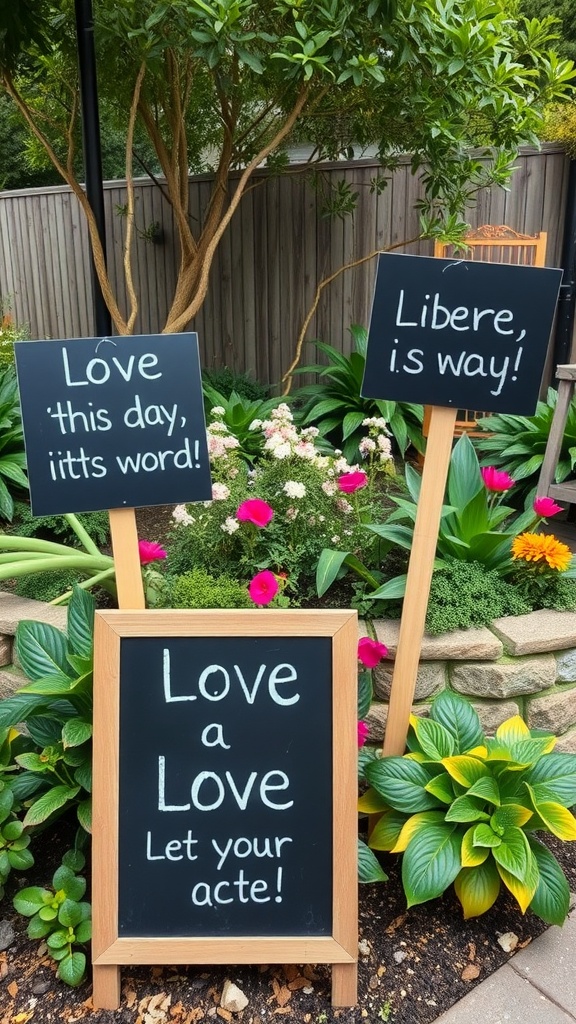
(522,665)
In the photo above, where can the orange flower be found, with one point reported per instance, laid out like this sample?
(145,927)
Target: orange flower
(538,547)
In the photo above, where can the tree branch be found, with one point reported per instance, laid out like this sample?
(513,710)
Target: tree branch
(133,298)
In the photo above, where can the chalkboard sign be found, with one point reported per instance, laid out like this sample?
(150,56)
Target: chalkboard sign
(225,787)
(113,422)
(458,333)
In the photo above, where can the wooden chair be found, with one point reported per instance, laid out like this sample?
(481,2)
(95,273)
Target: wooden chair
(491,243)
(565,491)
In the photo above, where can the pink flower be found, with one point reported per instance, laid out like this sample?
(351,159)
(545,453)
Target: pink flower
(495,479)
(545,507)
(149,551)
(370,652)
(263,587)
(363,731)
(256,511)
(350,482)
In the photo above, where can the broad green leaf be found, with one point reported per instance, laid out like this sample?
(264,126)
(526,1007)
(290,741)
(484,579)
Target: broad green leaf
(487,788)
(365,694)
(513,854)
(510,814)
(465,769)
(472,855)
(464,477)
(70,913)
(48,803)
(33,762)
(460,719)
(58,939)
(84,929)
(466,808)
(386,830)
(17,709)
(42,650)
(392,590)
(329,565)
(523,889)
(441,787)
(554,778)
(29,901)
(80,623)
(84,813)
(74,859)
(6,802)
(511,730)
(477,888)
(72,968)
(45,731)
(414,825)
(371,802)
(369,869)
(20,860)
(38,929)
(430,863)
(530,750)
(484,836)
(551,901)
(473,519)
(557,819)
(76,732)
(435,741)
(401,782)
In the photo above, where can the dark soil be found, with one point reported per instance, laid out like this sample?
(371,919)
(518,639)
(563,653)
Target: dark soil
(414,964)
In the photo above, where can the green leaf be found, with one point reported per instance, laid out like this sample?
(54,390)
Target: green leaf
(466,808)
(71,884)
(464,477)
(329,565)
(385,833)
(80,625)
(72,968)
(465,769)
(390,591)
(513,853)
(58,939)
(487,788)
(20,860)
(441,787)
(364,694)
(369,869)
(554,778)
(18,708)
(433,738)
(70,913)
(38,929)
(551,901)
(48,803)
(42,650)
(74,859)
(431,863)
(460,719)
(477,888)
(401,782)
(84,929)
(484,836)
(29,901)
(76,732)
(84,812)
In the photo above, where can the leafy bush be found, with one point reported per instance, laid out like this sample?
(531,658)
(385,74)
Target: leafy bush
(96,524)
(239,415)
(463,809)
(13,480)
(14,841)
(225,381)
(198,589)
(46,586)
(9,333)
(517,444)
(464,594)
(59,916)
(337,408)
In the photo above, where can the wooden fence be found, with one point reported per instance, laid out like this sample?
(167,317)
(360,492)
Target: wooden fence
(277,249)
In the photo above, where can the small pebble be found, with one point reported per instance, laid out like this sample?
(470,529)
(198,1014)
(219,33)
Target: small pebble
(40,987)
(399,955)
(7,934)
(364,947)
(508,941)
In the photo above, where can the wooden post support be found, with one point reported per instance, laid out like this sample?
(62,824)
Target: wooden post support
(126,559)
(420,566)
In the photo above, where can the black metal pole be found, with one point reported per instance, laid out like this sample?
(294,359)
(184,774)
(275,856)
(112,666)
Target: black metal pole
(91,146)
(567,299)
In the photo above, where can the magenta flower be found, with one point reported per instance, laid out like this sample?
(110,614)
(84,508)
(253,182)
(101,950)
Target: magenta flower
(263,587)
(545,507)
(256,511)
(149,551)
(370,652)
(363,731)
(350,482)
(496,480)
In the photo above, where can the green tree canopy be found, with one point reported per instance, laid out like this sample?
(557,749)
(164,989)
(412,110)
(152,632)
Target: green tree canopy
(231,83)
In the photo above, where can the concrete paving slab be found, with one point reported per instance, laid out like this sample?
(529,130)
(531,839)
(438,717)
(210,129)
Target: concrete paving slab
(548,963)
(505,998)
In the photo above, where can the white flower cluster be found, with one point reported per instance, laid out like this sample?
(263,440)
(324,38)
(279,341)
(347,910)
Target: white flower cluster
(182,516)
(377,444)
(283,439)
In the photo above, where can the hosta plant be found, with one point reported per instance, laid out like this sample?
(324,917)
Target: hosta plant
(465,810)
(59,916)
(14,840)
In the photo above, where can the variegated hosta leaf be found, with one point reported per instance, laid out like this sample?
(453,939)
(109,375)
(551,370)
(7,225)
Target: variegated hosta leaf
(414,825)
(465,769)
(554,778)
(523,889)
(477,888)
(401,782)
(511,730)
(484,836)
(510,814)
(460,719)
(487,788)
(386,830)
(514,853)
(441,787)
(466,808)
(530,750)
(556,818)
(369,869)
(472,855)
(371,802)
(434,740)
(551,900)
(430,863)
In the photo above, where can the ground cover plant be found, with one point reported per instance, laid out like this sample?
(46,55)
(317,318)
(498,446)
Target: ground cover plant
(13,479)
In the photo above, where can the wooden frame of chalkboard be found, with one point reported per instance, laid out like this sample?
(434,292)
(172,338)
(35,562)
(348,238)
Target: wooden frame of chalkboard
(330,636)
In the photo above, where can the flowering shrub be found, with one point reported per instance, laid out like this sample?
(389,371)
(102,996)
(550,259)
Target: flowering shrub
(268,524)
(9,333)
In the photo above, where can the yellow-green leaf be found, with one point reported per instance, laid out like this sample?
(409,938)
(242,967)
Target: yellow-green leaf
(477,888)
(465,769)
(386,830)
(558,819)
(511,730)
(472,855)
(522,889)
(414,824)
(487,788)
(371,802)
(510,814)
(441,787)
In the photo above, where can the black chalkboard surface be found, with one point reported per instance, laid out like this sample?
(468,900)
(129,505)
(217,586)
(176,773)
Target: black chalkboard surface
(459,333)
(113,422)
(225,791)
(225,786)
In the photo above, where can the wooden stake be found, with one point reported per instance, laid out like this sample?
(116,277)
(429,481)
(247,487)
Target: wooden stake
(420,566)
(126,559)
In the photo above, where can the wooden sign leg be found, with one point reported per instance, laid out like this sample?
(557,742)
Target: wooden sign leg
(126,559)
(344,984)
(105,986)
(420,566)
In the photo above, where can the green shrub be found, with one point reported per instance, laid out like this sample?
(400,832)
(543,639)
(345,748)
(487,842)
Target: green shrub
(225,380)
(464,594)
(464,809)
(198,589)
(546,590)
(46,586)
(13,481)
(9,333)
(96,524)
